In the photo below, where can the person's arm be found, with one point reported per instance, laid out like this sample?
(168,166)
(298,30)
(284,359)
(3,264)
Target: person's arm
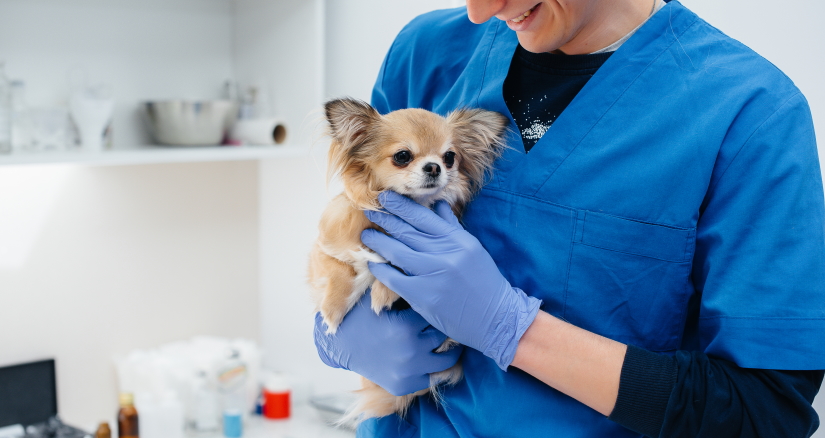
(579,363)
(685,395)
(691,394)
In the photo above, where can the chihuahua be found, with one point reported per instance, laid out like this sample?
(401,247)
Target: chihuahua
(416,153)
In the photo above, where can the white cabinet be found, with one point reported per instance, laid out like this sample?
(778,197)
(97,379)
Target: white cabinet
(166,49)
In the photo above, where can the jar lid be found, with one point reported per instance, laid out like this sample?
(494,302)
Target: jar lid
(126,399)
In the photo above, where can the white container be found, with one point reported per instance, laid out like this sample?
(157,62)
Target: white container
(160,417)
(21,122)
(5,111)
(206,406)
(92,116)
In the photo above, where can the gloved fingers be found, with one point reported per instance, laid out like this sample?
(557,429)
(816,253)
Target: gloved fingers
(391,249)
(410,318)
(442,361)
(398,228)
(396,281)
(408,385)
(420,217)
(433,336)
(445,211)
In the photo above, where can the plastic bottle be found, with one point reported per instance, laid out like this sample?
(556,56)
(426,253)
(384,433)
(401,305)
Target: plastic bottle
(232,423)
(206,405)
(127,417)
(5,111)
(232,375)
(276,397)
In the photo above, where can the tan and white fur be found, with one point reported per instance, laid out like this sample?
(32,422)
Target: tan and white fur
(416,153)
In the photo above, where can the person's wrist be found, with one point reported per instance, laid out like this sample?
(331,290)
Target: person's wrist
(518,312)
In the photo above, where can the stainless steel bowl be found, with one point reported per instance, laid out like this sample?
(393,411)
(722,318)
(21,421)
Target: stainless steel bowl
(190,123)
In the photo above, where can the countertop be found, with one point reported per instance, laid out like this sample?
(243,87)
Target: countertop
(305,422)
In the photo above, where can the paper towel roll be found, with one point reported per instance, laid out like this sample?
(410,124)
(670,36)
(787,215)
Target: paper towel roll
(258,131)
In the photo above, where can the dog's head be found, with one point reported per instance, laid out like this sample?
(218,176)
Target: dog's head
(414,152)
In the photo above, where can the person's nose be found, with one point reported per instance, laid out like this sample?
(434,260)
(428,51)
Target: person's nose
(480,11)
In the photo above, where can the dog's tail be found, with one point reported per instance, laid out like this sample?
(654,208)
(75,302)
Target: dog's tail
(373,402)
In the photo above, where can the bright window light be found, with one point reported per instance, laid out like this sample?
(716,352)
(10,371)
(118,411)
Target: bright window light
(27,195)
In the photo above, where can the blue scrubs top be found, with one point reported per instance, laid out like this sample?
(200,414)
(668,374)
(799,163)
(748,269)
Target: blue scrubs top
(675,204)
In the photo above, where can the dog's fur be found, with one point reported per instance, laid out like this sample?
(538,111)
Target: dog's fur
(416,153)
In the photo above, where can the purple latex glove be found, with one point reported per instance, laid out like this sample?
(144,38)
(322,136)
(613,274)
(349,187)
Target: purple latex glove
(393,349)
(451,280)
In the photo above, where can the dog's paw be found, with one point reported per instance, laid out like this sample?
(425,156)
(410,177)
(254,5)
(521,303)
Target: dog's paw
(332,318)
(382,297)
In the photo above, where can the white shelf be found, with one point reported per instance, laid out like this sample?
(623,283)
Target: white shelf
(156,154)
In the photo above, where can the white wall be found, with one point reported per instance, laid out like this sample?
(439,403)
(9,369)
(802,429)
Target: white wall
(292,197)
(277,46)
(128,257)
(357,40)
(150,49)
(293,192)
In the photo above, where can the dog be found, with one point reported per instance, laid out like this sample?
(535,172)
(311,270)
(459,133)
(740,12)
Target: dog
(416,153)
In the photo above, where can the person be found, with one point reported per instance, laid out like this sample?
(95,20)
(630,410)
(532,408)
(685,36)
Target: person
(648,257)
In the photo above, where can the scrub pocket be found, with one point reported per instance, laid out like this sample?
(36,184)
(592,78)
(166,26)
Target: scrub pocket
(629,280)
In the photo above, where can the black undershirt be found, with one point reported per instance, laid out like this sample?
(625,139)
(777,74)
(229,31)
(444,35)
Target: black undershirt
(688,394)
(539,86)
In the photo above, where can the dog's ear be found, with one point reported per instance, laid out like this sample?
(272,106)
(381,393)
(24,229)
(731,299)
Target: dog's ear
(479,136)
(350,120)
(353,126)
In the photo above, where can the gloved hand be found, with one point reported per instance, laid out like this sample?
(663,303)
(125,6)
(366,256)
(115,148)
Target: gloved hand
(393,349)
(450,278)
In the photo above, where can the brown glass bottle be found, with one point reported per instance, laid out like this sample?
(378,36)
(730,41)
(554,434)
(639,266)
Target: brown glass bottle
(103,431)
(127,417)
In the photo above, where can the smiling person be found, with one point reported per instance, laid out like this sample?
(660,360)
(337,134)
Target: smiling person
(648,257)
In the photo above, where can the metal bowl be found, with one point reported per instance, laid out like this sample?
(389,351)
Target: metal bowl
(190,123)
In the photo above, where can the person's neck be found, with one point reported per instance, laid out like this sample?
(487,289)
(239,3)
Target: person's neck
(607,22)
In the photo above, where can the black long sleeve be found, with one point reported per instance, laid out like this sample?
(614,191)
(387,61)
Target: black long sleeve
(693,395)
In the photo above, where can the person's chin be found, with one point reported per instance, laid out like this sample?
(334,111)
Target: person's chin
(532,43)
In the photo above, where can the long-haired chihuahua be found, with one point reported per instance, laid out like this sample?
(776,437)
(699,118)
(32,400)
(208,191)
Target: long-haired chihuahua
(416,153)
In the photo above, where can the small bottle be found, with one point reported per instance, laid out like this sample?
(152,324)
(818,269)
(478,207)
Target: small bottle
(276,397)
(5,111)
(20,124)
(232,375)
(206,413)
(103,430)
(127,417)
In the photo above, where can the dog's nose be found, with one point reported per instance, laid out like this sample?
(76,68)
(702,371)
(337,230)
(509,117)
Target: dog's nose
(432,169)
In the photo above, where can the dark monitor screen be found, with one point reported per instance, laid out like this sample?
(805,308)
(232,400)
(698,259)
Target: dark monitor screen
(28,393)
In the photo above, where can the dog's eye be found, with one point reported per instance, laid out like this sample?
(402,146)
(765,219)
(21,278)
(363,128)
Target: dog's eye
(402,158)
(449,159)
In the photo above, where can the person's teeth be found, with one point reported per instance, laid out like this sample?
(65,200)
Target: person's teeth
(521,17)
